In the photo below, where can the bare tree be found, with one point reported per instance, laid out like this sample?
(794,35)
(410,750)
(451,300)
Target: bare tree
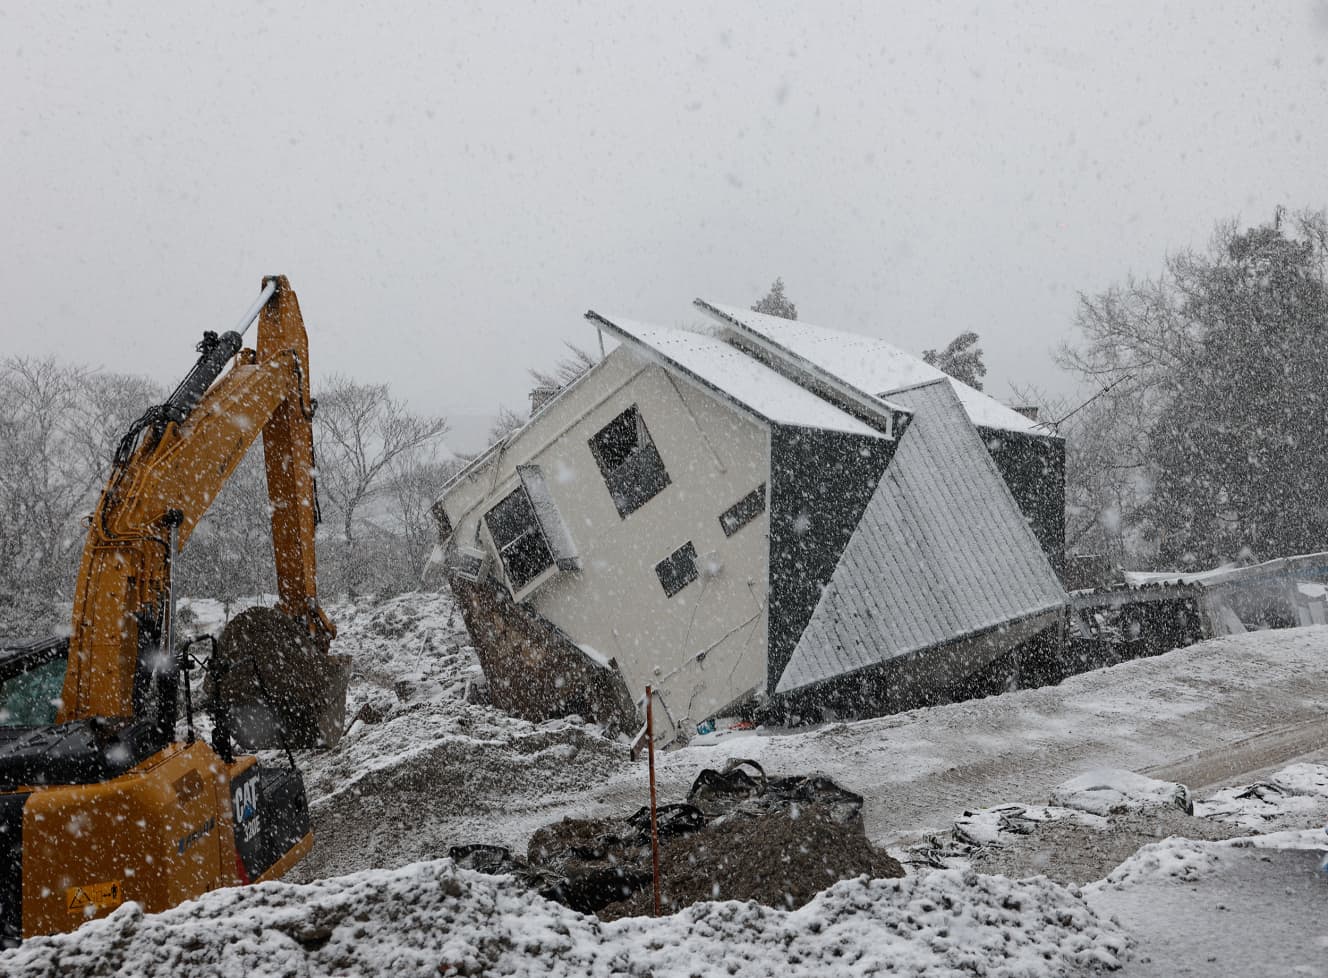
(361,430)
(1105,481)
(58,425)
(229,555)
(507,422)
(413,488)
(568,368)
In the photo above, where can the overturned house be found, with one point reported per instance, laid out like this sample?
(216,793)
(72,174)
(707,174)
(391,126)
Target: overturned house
(765,512)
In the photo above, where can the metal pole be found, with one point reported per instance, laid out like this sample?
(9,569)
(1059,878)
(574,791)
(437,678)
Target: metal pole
(654,823)
(248,318)
(173,518)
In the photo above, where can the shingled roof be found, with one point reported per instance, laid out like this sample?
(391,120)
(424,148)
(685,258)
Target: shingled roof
(941,552)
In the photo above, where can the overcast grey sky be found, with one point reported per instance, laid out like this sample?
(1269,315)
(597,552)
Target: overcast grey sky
(450,186)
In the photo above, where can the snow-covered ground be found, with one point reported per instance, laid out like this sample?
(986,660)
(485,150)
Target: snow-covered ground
(433,919)
(959,792)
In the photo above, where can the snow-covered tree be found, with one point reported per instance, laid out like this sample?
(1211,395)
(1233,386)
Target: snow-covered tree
(776,303)
(1215,379)
(961,359)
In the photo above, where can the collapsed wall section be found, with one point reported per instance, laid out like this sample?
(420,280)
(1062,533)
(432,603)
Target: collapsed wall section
(533,670)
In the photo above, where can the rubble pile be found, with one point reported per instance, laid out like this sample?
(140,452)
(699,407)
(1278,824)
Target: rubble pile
(739,836)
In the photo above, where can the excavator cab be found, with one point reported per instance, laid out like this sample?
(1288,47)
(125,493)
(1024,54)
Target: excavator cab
(31,675)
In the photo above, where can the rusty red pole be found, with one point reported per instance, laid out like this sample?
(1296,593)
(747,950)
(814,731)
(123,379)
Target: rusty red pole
(654,825)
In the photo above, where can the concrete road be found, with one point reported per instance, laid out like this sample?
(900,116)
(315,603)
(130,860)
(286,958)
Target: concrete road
(1261,913)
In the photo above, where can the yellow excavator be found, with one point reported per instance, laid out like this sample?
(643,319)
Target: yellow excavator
(107,794)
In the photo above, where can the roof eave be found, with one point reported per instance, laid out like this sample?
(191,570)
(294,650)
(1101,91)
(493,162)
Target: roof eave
(885,411)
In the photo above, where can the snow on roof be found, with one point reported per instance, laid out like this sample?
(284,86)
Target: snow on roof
(729,371)
(873,366)
(941,552)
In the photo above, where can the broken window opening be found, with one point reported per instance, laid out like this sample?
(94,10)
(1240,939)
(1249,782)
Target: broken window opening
(629,462)
(743,511)
(678,569)
(516,532)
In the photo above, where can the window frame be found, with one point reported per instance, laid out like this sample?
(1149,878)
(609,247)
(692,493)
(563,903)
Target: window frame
(671,565)
(623,479)
(744,511)
(503,549)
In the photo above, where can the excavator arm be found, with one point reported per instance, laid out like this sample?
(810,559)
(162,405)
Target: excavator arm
(167,473)
(106,804)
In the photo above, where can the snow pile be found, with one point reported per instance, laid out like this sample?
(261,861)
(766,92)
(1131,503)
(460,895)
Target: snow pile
(413,644)
(1108,791)
(1295,794)
(429,778)
(423,770)
(1186,860)
(433,918)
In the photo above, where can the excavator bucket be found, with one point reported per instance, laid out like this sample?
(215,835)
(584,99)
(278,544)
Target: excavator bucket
(278,689)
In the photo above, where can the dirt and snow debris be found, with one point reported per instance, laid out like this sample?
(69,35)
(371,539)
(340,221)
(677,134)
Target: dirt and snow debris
(1112,791)
(1185,860)
(426,779)
(433,918)
(413,646)
(1294,795)
(1075,852)
(776,840)
(999,825)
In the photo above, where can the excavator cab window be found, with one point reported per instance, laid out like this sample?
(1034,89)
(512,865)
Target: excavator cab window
(31,680)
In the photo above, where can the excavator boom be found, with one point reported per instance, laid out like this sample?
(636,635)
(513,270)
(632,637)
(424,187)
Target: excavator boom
(181,456)
(100,800)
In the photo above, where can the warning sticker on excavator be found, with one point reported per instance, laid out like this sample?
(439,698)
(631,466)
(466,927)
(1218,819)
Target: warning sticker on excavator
(99,896)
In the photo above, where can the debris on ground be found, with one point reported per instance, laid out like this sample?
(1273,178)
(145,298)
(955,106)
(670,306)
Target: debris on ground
(1294,795)
(1074,852)
(778,841)
(425,778)
(1075,847)
(1112,791)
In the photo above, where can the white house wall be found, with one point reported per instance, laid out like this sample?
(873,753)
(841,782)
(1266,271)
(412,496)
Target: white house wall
(703,648)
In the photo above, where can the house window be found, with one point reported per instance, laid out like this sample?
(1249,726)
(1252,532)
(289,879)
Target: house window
(521,543)
(743,511)
(546,514)
(678,569)
(629,461)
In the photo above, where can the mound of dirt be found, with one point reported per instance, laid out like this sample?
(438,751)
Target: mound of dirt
(434,775)
(781,859)
(777,841)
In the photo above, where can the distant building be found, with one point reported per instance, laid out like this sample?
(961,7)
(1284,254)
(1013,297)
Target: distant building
(765,511)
